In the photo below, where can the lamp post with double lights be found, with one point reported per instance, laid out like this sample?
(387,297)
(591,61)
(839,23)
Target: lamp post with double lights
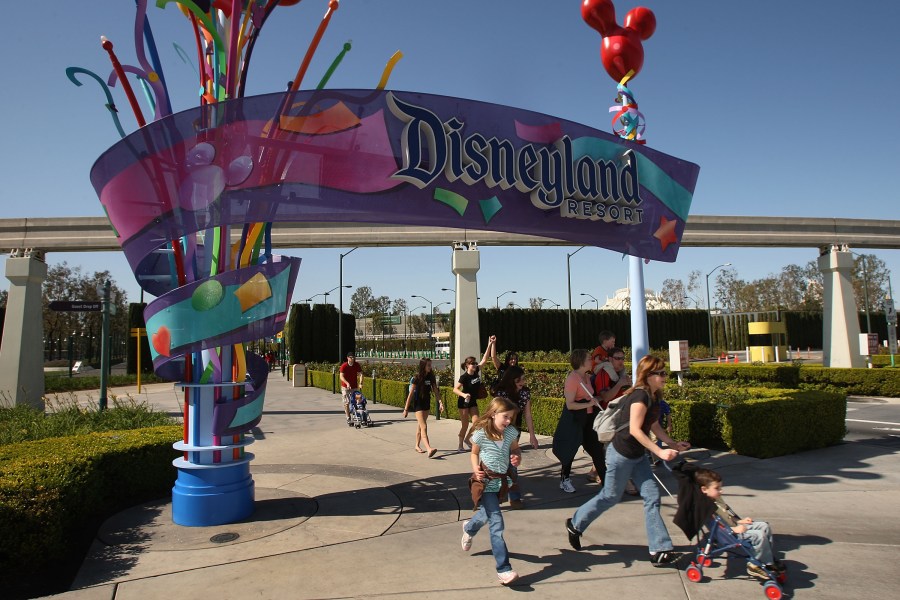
(596,302)
(569,256)
(503,294)
(542,300)
(437,308)
(341,305)
(431,324)
(709,307)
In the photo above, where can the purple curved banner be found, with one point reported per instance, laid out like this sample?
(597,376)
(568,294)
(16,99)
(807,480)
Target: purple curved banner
(372,156)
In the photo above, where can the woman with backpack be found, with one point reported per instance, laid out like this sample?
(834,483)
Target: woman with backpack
(626,458)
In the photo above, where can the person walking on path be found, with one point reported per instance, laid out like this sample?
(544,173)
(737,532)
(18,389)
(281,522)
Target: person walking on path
(511,360)
(626,458)
(611,380)
(495,452)
(576,419)
(470,388)
(513,387)
(351,379)
(419,397)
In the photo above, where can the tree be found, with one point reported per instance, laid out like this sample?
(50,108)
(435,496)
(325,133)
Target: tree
(68,283)
(417,324)
(869,268)
(536,303)
(399,307)
(361,302)
(674,292)
(694,288)
(4,295)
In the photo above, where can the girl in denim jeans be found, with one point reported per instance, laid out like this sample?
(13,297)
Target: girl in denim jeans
(495,447)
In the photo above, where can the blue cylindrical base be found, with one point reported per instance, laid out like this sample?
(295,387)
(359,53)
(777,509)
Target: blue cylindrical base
(212,495)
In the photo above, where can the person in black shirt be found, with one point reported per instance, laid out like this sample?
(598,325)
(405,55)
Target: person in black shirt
(469,389)
(626,458)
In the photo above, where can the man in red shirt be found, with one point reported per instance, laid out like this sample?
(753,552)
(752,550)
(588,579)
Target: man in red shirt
(351,377)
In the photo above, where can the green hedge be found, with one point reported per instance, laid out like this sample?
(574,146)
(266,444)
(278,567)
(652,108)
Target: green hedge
(55,492)
(861,382)
(798,420)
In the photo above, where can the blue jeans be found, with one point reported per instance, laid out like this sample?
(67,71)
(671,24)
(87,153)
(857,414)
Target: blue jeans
(618,471)
(759,534)
(489,512)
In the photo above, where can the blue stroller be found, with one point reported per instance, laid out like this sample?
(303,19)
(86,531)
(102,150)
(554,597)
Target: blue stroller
(697,513)
(358,411)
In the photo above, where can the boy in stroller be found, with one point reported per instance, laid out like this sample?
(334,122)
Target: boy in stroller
(358,411)
(700,505)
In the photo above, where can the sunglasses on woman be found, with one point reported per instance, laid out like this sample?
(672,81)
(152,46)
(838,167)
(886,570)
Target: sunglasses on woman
(660,373)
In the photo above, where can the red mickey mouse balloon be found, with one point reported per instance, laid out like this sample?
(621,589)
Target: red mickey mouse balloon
(621,50)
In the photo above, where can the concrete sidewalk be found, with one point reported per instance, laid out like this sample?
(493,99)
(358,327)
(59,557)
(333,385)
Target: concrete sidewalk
(346,513)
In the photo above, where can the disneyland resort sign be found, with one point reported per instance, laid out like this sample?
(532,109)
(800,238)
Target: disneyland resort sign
(381,157)
(582,189)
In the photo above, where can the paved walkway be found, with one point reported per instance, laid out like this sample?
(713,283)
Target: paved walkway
(376,519)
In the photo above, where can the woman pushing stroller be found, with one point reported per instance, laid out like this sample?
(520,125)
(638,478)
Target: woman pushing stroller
(626,458)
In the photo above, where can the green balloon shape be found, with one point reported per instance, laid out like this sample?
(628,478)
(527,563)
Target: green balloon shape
(207,295)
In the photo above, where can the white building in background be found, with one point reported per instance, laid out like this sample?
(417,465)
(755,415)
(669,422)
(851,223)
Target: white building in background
(622,300)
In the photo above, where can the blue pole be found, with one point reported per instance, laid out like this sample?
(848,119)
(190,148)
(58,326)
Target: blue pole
(640,343)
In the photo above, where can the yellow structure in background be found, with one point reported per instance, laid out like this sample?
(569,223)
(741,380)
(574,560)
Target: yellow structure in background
(767,341)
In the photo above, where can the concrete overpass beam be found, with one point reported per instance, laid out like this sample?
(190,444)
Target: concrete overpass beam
(466,339)
(21,351)
(840,323)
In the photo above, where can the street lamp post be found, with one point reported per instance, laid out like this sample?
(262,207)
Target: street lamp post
(503,294)
(596,302)
(542,300)
(708,307)
(431,324)
(569,256)
(341,305)
(585,302)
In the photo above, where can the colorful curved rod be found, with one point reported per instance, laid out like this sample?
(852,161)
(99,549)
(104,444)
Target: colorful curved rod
(388,69)
(110,104)
(120,72)
(142,33)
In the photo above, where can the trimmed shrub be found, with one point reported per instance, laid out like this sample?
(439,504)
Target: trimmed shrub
(55,492)
(794,421)
(863,382)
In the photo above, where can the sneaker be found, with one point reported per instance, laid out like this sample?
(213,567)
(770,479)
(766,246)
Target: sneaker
(574,535)
(757,571)
(777,566)
(349,422)
(666,557)
(566,486)
(466,538)
(507,577)
(516,504)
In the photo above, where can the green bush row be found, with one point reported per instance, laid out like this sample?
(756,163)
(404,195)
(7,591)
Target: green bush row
(862,382)
(64,383)
(55,492)
(758,422)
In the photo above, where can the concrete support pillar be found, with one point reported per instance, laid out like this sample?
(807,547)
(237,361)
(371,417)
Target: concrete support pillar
(466,340)
(840,323)
(21,351)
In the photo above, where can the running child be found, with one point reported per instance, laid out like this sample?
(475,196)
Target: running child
(495,448)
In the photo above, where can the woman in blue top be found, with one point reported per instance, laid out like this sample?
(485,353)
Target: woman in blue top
(626,458)
(495,447)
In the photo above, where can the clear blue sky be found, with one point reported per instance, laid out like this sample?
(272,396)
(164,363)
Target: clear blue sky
(790,109)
